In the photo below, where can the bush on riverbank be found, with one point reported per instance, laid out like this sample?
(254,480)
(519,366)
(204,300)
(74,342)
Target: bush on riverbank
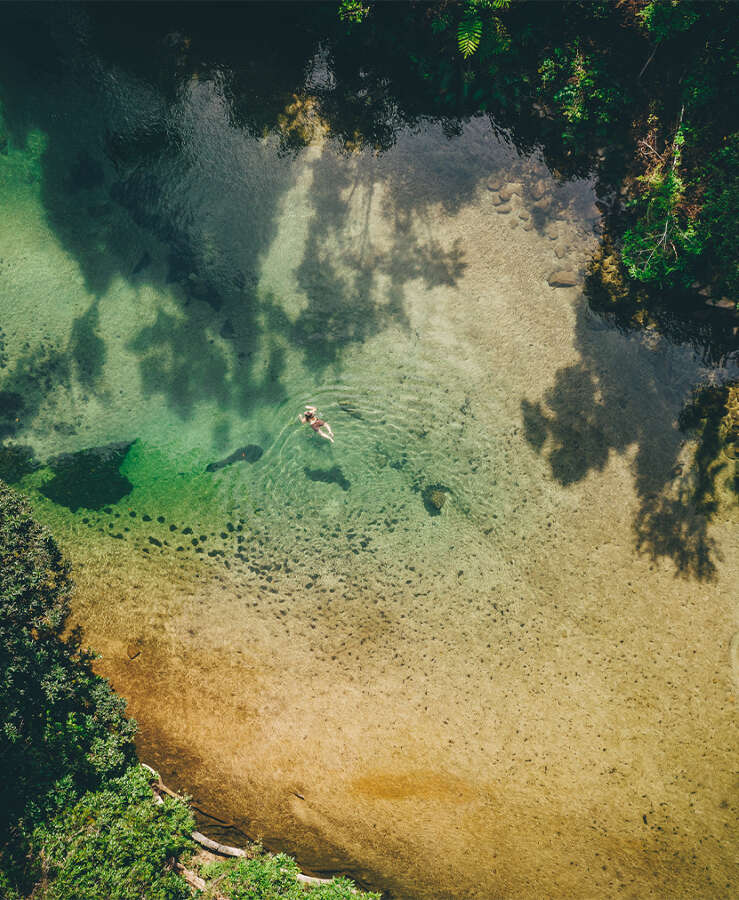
(114,844)
(63,729)
(78,818)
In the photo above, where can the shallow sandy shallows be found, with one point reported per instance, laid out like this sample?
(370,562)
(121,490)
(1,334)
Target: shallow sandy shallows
(527,695)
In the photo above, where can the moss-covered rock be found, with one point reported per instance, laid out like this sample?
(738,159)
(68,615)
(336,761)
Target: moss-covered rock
(434,498)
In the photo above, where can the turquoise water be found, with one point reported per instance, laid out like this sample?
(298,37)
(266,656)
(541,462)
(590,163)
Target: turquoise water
(476,637)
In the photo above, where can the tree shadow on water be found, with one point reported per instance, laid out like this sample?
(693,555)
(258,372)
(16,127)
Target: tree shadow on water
(119,190)
(621,397)
(353,277)
(163,183)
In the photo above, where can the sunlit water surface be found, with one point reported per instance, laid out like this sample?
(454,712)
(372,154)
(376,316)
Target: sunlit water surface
(525,692)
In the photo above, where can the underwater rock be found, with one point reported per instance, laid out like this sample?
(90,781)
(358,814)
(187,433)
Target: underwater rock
(538,189)
(506,192)
(65,428)
(437,499)
(251,453)
(565,278)
(89,478)
(434,497)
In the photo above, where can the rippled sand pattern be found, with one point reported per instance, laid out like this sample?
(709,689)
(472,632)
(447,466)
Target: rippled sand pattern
(525,695)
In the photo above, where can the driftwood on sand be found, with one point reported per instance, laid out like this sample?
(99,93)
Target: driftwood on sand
(193,879)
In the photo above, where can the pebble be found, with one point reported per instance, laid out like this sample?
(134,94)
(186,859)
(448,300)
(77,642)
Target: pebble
(538,189)
(513,187)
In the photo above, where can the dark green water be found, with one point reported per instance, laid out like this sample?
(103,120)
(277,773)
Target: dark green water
(433,653)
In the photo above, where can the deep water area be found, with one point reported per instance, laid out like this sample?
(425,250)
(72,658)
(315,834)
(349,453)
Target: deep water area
(480,646)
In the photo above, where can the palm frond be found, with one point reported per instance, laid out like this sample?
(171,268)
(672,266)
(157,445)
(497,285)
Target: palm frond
(469,32)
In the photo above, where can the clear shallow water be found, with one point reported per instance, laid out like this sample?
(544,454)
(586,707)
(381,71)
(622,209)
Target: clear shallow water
(484,702)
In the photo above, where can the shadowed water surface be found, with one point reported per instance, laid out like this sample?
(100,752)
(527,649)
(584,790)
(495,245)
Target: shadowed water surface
(480,645)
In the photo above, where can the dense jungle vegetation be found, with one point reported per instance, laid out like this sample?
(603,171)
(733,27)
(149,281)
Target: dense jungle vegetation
(78,818)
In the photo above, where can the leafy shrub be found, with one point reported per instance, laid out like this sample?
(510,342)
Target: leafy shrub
(274,878)
(63,730)
(665,18)
(662,244)
(115,844)
(353,11)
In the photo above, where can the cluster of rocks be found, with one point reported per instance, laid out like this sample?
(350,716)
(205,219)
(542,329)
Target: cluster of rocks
(502,193)
(538,199)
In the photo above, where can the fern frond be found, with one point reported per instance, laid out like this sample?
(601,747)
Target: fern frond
(469,32)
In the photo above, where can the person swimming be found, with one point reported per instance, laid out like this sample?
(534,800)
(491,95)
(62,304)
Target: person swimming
(310,417)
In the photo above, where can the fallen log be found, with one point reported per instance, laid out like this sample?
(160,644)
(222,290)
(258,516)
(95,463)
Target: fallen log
(214,846)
